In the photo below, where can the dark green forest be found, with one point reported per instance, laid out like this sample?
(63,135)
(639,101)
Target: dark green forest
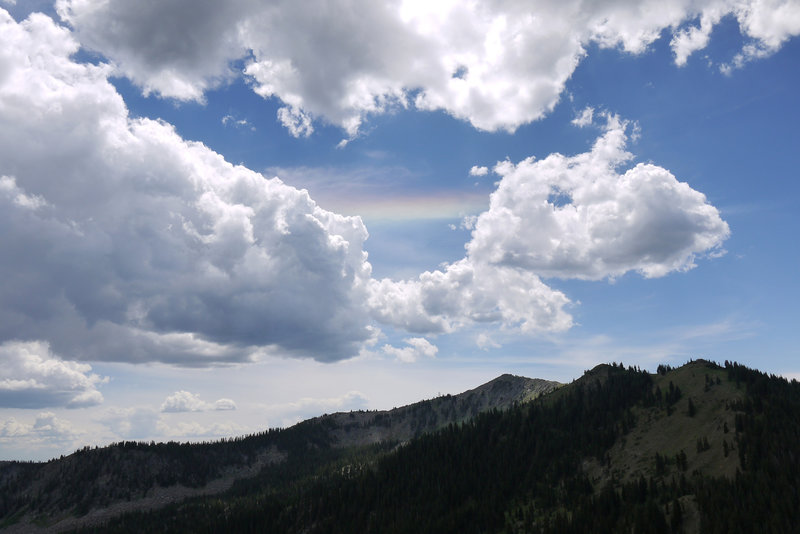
(520,470)
(126,475)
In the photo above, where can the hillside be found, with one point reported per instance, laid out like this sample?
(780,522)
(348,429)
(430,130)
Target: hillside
(668,431)
(618,450)
(94,485)
(701,448)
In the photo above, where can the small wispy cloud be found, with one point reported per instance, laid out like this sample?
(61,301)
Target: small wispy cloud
(238,123)
(415,349)
(185,401)
(584,118)
(478,171)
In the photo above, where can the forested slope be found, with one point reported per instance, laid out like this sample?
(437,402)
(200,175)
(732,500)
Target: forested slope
(94,484)
(700,448)
(567,462)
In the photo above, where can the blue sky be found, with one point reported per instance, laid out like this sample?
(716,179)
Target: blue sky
(461,191)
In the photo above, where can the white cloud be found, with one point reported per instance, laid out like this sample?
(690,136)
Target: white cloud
(770,22)
(585,118)
(497,65)
(478,171)
(178,49)
(47,425)
(9,189)
(194,430)
(484,342)
(31,376)
(296,121)
(565,217)
(350,401)
(306,407)
(238,123)
(46,428)
(224,404)
(145,423)
(133,423)
(468,222)
(185,401)
(124,242)
(416,348)
(767,25)
(466,292)
(688,40)
(750,52)
(12,429)
(581,217)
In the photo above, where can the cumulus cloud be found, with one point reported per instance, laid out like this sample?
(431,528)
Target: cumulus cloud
(45,428)
(478,171)
(123,241)
(12,429)
(466,292)
(690,39)
(31,376)
(581,217)
(178,49)
(416,348)
(185,401)
(497,65)
(769,24)
(561,217)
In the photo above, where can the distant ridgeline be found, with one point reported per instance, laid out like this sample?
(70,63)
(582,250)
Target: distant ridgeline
(699,448)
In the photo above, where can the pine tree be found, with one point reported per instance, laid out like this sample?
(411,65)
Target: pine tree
(676,520)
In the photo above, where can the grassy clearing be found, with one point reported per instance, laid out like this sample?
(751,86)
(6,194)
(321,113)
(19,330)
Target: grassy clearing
(711,394)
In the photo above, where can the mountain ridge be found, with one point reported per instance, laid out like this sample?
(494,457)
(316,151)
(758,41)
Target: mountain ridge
(698,448)
(406,422)
(31,491)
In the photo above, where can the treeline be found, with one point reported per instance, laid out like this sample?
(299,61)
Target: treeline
(99,476)
(467,478)
(765,494)
(521,471)
(95,477)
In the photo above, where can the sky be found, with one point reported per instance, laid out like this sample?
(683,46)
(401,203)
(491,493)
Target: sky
(222,217)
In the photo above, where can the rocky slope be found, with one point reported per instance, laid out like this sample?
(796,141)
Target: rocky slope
(402,424)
